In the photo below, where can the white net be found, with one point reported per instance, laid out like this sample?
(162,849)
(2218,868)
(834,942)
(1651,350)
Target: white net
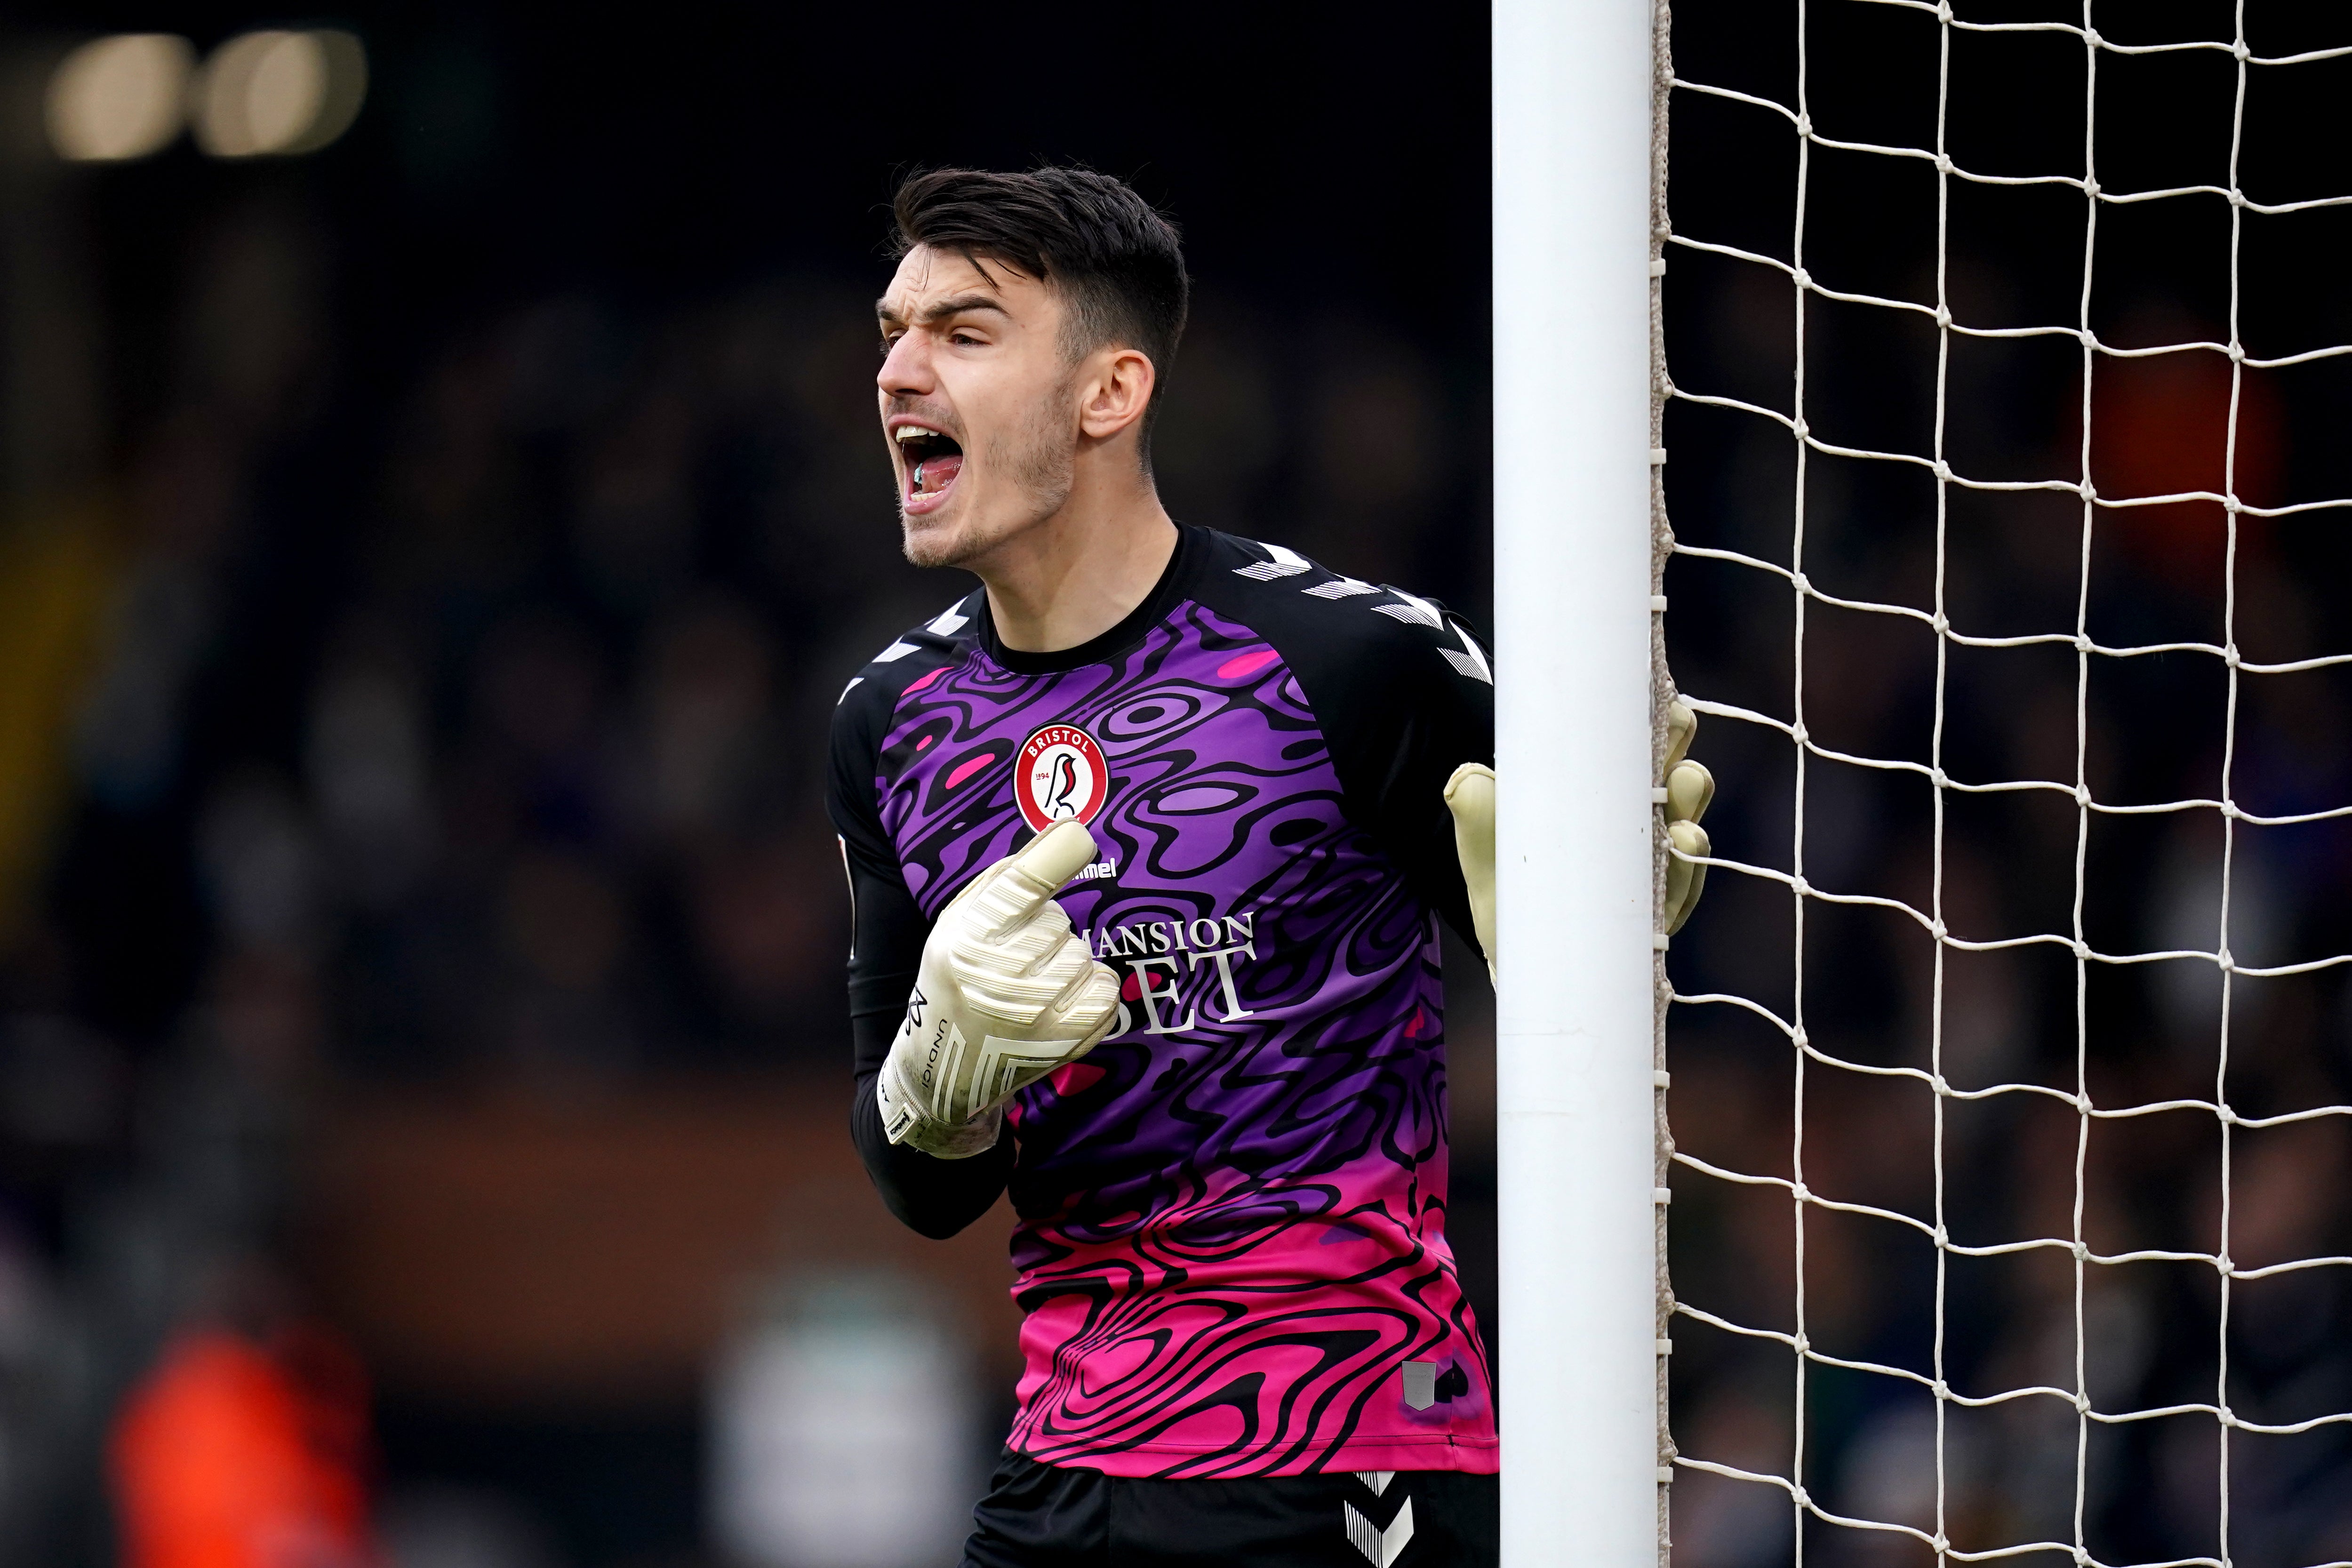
(2002,351)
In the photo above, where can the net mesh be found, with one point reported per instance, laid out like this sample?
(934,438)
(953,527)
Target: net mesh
(2101,1399)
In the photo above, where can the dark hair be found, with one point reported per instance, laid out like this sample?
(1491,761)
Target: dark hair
(1113,257)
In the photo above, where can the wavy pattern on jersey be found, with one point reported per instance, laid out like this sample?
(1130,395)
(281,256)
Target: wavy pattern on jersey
(1231,1235)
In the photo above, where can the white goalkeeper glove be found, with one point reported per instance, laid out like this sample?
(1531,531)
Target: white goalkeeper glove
(1689,788)
(1006,993)
(1470,796)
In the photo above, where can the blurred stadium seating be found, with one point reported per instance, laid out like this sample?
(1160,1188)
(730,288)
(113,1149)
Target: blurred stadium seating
(427,565)
(426,568)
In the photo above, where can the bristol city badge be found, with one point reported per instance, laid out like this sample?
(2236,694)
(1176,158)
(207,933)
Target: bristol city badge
(1061,777)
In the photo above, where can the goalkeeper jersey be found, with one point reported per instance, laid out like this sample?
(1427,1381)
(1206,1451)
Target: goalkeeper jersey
(1231,1245)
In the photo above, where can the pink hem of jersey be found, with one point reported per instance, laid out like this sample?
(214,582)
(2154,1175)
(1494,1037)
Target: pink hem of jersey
(1468,1456)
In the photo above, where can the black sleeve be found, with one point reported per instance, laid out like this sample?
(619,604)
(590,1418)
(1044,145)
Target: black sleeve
(1400,720)
(933,1196)
(1402,689)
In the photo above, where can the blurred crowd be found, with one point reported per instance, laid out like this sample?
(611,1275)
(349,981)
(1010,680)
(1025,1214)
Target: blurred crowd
(421,1053)
(423,1047)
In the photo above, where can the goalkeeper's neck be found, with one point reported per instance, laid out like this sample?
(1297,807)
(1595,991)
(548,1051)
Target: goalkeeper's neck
(1079,571)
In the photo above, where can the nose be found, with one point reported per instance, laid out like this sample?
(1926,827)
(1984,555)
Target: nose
(906,368)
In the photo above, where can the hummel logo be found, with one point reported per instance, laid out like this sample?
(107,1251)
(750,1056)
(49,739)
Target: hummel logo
(1381,1547)
(1284,564)
(1469,663)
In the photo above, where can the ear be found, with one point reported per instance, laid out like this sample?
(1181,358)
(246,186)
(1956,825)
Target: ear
(1114,388)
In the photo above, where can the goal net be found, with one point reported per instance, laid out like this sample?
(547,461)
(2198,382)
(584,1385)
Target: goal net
(2003,366)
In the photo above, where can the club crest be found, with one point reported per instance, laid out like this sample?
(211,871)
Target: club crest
(1061,777)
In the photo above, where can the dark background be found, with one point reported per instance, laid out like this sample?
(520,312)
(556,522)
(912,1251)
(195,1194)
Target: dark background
(436,559)
(428,566)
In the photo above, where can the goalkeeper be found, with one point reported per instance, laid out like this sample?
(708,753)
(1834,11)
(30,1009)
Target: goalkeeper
(1148,837)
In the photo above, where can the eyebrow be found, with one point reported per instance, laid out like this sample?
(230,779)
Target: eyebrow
(955,305)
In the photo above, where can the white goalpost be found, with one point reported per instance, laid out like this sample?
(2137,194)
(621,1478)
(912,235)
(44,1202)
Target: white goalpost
(1574,895)
(1587,1009)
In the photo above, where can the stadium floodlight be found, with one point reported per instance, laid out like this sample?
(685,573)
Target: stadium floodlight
(1576,863)
(119,97)
(276,93)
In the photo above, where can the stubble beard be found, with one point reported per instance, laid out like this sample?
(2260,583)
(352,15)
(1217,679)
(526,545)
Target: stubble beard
(1034,464)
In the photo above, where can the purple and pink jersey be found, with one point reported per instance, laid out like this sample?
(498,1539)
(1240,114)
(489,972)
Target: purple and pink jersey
(1231,1245)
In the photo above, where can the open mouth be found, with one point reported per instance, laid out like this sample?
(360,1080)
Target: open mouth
(933,459)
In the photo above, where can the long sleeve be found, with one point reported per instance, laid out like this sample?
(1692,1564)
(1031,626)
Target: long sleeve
(1404,692)
(1401,718)
(933,1196)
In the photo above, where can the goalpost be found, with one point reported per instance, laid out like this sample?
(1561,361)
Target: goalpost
(1574,1014)
(1587,1162)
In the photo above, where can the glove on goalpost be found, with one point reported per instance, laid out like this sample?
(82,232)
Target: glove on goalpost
(1006,994)
(1689,789)
(1470,796)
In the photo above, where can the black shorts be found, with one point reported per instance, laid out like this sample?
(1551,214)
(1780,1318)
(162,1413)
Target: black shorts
(1047,1516)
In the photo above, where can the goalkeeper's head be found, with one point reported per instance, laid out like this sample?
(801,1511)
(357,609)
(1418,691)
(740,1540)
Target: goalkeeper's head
(1026,336)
